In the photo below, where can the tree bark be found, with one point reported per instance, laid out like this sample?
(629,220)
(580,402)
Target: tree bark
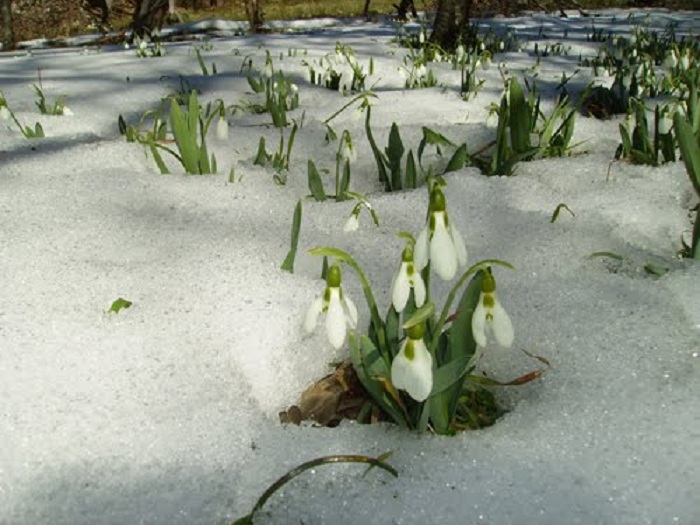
(149,16)
(254,12)
(451,23)
(8,35)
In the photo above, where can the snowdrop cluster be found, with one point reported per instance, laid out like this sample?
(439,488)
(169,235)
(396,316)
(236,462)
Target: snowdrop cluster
(339,71)
(401,359)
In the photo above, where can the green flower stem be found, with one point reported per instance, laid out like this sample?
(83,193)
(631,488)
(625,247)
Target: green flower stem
(367,289)
(340,458)
(453,293)
(361,96)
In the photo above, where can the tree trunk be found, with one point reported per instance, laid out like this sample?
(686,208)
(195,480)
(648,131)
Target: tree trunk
(451,23)
(254,12)
(445,30)
(8,36)
(149,16)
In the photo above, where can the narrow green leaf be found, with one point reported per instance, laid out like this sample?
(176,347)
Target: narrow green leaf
(558,209)
(458,160)
(411,177)
(119,304)
(519,120)
(288,264)
(315,182)
(378,157)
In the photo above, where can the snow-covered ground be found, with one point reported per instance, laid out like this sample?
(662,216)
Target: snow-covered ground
(166,412)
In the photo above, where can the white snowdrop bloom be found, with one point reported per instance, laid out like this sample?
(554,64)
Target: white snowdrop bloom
(440,242)
(665,120)
(630,122)
(347,148)
(421,37)
(407,278)
(459,53)
(437,57)
(4,113)
(412,368)
(222,128)
(352,224)
(267,70)
(294,88)
(340,311)
(66,111)
(421,71)
(490,317)
(492,119)
(685,61)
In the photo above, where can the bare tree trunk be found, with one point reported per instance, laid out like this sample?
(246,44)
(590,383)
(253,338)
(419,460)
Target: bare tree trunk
(171,7)
(254,12)
(8,36)
(149,16)
(451,23)
(445,30)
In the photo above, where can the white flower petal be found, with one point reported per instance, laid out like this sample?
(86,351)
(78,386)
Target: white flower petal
(222,129)
(400,288)
(351,224)
(335,320)
(479,322)
(415,376)
(418,289)
(312,314)
(502,326)
(350,311)
(442,250)
(421,252)
(460,247)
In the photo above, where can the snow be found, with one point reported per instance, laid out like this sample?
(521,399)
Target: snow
(166,412)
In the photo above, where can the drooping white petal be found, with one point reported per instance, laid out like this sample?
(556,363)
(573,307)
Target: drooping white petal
(415,376)
(350,311)
(311,317)
(502,326)
(479,322)
(421,251)
(418,289)
(442,250)
(222,129)
(335,320)
(4,113)
(400,288)
(352,224)
(460,247)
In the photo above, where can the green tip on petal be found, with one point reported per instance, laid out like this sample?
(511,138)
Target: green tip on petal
(489,283)
(437,200)
(407,254)
(416,332)
(409,351)
(334,277)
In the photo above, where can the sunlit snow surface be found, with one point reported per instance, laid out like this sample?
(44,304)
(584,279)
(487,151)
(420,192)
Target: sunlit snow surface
(167,412)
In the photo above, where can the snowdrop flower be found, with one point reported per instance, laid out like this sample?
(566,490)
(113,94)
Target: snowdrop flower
(665,120)
(459,53)
(347,149)
(407,278)
(340,311)
(412,368)
(421,37)
(490,317)
(4,113)
(440,242)
(353,222)
(267,70)
(222,128)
